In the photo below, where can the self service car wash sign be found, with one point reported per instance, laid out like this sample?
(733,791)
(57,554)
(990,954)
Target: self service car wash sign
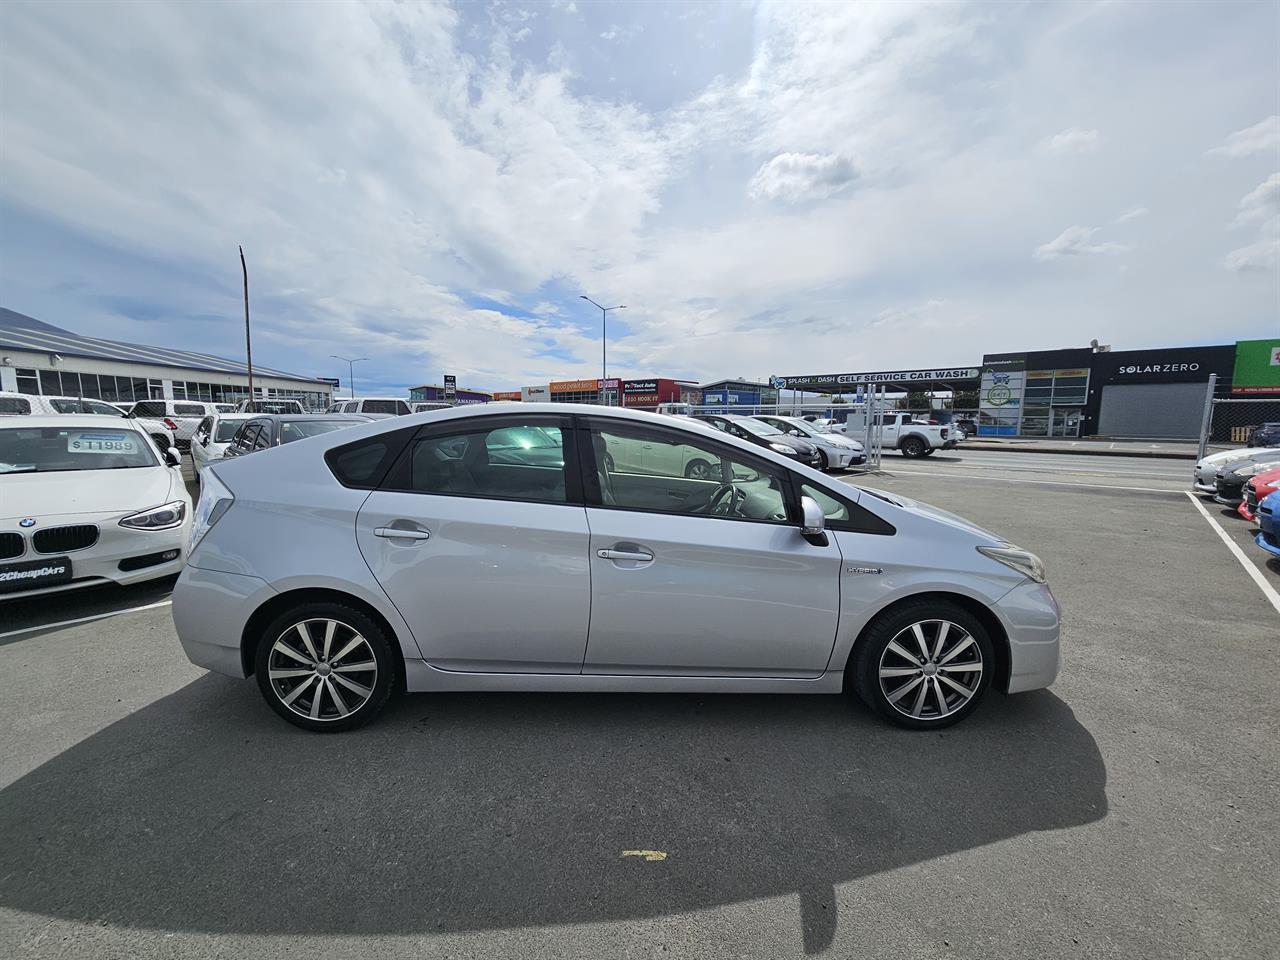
(1257,367)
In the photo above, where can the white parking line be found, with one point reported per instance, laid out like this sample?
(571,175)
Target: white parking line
(96,616)
(1056,483)
(1267,589)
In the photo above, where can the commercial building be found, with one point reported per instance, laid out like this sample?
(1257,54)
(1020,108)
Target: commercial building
(42,359)
(737,392)
(647,394)
(1087,391)
(641,394)
(436,392)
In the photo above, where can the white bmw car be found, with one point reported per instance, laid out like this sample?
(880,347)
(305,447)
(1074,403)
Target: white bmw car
(87,500)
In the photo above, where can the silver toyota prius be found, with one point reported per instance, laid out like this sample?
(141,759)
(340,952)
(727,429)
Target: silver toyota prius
(556,547)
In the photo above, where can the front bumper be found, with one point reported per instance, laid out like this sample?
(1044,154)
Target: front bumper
(1269,542)
(1032,621)
(100,564)
(210,610)
(1229,494)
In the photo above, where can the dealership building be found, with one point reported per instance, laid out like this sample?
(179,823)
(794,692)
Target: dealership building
(1087,391)
(39,358)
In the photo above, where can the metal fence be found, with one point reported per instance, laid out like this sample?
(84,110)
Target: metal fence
(1231,422)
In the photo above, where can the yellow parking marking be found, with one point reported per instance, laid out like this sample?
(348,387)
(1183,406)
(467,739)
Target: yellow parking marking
(649,855)
(1267,589)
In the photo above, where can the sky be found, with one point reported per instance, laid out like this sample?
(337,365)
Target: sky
(769,188)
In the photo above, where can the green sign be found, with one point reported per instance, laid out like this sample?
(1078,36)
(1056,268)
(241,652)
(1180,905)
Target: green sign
(1257,367)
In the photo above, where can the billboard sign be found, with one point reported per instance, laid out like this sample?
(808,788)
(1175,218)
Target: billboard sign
(1257,368)
(450,387)
(837,381)
(574,386)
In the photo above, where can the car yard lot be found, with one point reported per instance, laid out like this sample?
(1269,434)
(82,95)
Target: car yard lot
(152,809)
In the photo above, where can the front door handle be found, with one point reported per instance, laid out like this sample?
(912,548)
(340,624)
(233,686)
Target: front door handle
(624,555)
(396,533)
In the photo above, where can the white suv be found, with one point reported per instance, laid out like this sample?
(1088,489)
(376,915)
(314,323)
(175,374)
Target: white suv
(184,414)
(160,431)
(392,406)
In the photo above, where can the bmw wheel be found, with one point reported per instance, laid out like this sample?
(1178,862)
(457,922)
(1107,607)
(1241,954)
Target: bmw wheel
(326,667)
(925,665)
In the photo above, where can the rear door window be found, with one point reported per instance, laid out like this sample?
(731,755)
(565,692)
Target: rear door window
(524,461)
(19,406)
(188,409)
(149,408)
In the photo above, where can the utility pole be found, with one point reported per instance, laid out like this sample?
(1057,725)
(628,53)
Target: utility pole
(351,370)
(248,340)
(604,336)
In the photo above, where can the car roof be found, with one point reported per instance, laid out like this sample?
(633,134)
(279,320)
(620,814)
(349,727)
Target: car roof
(303,417)
(70,420)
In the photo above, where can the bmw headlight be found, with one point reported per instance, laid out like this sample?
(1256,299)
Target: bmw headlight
(1023,561)
(163,517)
(215,500)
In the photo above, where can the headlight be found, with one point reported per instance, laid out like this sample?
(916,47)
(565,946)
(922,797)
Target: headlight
(781,448)
(163,517)
(1025,562)
(215,500)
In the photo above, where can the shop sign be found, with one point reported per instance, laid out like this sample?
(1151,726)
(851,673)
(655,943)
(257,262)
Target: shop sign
(1257,368)
(574,386)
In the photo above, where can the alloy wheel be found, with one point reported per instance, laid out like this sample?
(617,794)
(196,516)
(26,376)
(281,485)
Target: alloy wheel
(930,669)
(322,669)
(698,470)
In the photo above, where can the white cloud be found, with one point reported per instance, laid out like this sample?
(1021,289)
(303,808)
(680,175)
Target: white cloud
(1261,137)
(1260,203)
(1133,213)
(1076,242)
(1073,140)
(1257,257)
(796,177)
(545,308)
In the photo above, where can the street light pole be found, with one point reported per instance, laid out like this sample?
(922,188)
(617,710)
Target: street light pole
(604,336)
(351,370)
(248,340)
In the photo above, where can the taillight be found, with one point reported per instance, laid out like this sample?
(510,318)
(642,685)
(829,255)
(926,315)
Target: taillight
(170,424)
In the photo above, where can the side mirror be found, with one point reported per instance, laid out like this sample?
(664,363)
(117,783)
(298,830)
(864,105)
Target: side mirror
(813,522)
(173,457)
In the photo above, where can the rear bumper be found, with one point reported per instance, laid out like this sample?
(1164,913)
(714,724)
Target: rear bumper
(210,610)
(1032,620)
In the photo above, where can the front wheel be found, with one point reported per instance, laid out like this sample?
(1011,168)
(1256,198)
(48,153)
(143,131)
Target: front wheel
(698,470)
(326,667)
(924,665)
(825,465)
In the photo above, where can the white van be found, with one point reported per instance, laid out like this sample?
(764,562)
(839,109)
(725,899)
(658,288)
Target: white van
(392,406)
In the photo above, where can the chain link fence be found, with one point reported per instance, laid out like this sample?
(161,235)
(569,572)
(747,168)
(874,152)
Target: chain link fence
(1232,422)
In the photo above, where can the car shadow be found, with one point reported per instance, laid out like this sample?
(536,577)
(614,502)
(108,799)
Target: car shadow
(204,812)
(30,614)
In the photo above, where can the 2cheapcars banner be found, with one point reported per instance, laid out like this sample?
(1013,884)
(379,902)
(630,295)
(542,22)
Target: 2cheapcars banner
(1257,367)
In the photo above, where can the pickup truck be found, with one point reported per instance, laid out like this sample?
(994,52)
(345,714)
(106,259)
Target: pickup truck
(913,438)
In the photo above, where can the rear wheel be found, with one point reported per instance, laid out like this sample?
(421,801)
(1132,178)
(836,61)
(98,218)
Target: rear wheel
(326,667)
(913,447)
(924,665)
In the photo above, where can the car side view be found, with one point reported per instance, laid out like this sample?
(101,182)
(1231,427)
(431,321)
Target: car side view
(505,549)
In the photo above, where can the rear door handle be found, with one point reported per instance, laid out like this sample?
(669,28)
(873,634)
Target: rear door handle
(396,533)
(624,555)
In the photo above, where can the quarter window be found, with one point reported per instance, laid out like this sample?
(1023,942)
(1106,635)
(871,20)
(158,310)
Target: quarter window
(522,462)
(188,410)
(638,468)
(15,405)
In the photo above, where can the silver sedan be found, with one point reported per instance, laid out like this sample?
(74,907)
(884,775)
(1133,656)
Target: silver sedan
(563,548)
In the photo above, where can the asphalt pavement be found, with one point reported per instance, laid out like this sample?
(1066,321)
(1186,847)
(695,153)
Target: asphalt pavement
(150,809)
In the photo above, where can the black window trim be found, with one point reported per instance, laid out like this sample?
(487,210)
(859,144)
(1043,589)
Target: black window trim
(397,478)
(591,483)
(876,526)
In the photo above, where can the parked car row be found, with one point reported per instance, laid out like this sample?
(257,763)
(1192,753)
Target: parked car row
(1247,479)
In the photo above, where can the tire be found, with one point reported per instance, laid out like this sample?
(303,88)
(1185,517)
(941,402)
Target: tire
(913,447)
(608,462)
(905,707)
(929,451)
(697,470)
(361,693)
(825,465)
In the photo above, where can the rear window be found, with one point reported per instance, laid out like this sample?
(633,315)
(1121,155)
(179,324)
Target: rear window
(14,406)
(149,408)
(364,463)
(395,407)
(291,430)
(188,410)
(61,405)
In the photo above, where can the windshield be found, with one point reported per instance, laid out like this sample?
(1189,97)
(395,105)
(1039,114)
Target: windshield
(226,430)
(807,428)
(758,429)
(292,430)
(274,406)
(58,450)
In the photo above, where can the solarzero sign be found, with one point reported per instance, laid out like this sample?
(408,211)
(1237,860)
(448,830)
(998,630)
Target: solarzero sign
(1159,368)
(826,381)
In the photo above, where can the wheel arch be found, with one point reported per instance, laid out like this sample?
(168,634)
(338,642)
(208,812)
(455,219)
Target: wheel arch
(976,608)
(918,436)
(278,604)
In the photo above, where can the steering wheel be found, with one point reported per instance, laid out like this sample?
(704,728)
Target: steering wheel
(725,492)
